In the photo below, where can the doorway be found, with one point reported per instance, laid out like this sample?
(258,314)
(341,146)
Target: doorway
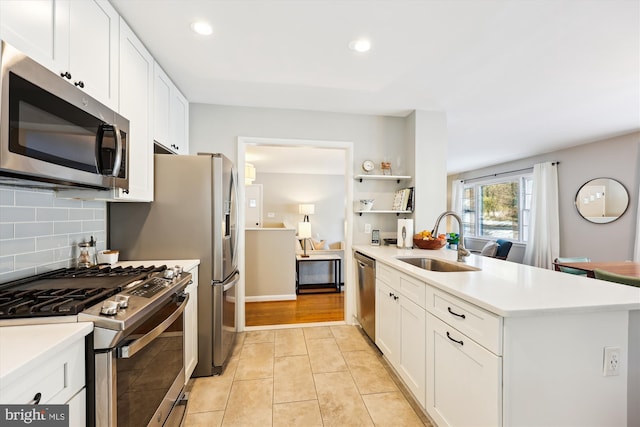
(308,154)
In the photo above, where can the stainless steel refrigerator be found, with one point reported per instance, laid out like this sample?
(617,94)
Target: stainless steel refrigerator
(194,215)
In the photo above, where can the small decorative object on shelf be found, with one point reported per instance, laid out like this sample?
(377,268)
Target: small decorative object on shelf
(366,204)
(367,166)
(386,168)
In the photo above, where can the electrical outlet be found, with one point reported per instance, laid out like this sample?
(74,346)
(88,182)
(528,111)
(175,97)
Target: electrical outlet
(611,361)
(367,228)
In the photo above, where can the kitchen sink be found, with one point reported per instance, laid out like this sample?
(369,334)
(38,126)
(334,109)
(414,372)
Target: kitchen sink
(437,265)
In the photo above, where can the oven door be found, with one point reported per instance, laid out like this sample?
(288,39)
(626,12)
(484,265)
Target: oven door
(149,369)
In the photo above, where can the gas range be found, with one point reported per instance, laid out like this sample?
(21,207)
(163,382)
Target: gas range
(65,295)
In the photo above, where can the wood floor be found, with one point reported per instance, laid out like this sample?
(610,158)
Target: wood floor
(308,308)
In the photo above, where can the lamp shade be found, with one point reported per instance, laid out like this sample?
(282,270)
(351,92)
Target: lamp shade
(304,230)
(306,209)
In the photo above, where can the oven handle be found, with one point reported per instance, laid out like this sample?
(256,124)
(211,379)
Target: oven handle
(130,350)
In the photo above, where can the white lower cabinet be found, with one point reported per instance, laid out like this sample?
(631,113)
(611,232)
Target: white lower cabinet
(464,380)
(400,333)
(191,326)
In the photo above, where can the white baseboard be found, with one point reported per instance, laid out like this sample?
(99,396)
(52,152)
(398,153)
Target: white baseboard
(294,325)
(262,298)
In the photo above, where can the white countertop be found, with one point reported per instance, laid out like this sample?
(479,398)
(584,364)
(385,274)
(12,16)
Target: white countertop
(511,289)
(22,347)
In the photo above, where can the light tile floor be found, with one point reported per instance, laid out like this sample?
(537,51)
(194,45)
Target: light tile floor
(316,376)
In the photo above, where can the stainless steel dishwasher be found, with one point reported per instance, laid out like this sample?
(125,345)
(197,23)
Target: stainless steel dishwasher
(366,293)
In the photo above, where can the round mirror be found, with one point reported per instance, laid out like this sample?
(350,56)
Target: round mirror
(602,200)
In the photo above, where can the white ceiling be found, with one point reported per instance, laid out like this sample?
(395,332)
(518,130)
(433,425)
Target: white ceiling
(516,78)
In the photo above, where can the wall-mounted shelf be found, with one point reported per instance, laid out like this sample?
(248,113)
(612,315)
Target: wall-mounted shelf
(397,178)
(383,212)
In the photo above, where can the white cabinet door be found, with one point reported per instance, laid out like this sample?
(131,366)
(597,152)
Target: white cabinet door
(387,322)
(191,327)
(39,28)
(93,49)
(464,380)
(171,114)
(76,39)
(161,105)
(136,103)
(179,124)
(411,365)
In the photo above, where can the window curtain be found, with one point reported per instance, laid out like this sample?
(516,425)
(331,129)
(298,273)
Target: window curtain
(457,190)
(543,245)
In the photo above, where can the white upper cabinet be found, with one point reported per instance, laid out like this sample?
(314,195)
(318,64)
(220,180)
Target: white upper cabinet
(77,40)
(93,49)
(39,28)
(136,104)
(179,124)
(171,114)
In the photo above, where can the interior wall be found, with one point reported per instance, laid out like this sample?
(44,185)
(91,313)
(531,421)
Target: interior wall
(283,192)
(216,128)
(617,158)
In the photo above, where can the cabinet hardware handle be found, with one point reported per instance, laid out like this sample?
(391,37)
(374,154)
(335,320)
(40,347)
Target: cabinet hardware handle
(66,75)
(36,399)
(455,341)
(456,314)
(79,84)
(395,297)
(391,294)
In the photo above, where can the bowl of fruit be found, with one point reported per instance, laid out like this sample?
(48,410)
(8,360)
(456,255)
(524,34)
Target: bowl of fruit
(424,240)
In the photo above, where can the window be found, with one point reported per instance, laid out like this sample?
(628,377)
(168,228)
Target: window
(498,208)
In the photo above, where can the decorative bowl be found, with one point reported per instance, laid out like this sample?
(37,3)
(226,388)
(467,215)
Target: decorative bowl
(366,204)
(429,244)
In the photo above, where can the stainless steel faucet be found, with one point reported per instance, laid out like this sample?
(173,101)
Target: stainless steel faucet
(462,251)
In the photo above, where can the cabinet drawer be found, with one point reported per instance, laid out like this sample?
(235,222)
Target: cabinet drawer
(408,286)
(57,380)
(480,325)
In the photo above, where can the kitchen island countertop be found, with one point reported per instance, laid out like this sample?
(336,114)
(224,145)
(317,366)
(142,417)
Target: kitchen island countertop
(511,289)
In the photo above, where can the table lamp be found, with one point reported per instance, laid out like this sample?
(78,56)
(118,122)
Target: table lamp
(304,233)
(306,209)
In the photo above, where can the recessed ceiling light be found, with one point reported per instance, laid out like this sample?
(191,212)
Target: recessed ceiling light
(361,45)
(202,28)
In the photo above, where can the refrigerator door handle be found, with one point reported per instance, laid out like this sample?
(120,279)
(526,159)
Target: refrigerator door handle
(229,283)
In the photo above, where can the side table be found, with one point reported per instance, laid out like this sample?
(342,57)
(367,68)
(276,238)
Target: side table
(337,271)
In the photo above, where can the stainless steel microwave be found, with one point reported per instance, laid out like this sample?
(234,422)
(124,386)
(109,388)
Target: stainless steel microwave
(55,135)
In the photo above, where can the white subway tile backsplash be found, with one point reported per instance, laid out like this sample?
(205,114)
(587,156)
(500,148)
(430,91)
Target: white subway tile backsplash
(6,264)
(33,259)
(67,203)
(17,274)
(17,246)
(52,214)
(80,214)
(39,232)
(34,198)
(54,266)
(52,242)
(6,197)
(92,225)
(17,214)
(33,229)
(6,231)
(88,204)
(66,227)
